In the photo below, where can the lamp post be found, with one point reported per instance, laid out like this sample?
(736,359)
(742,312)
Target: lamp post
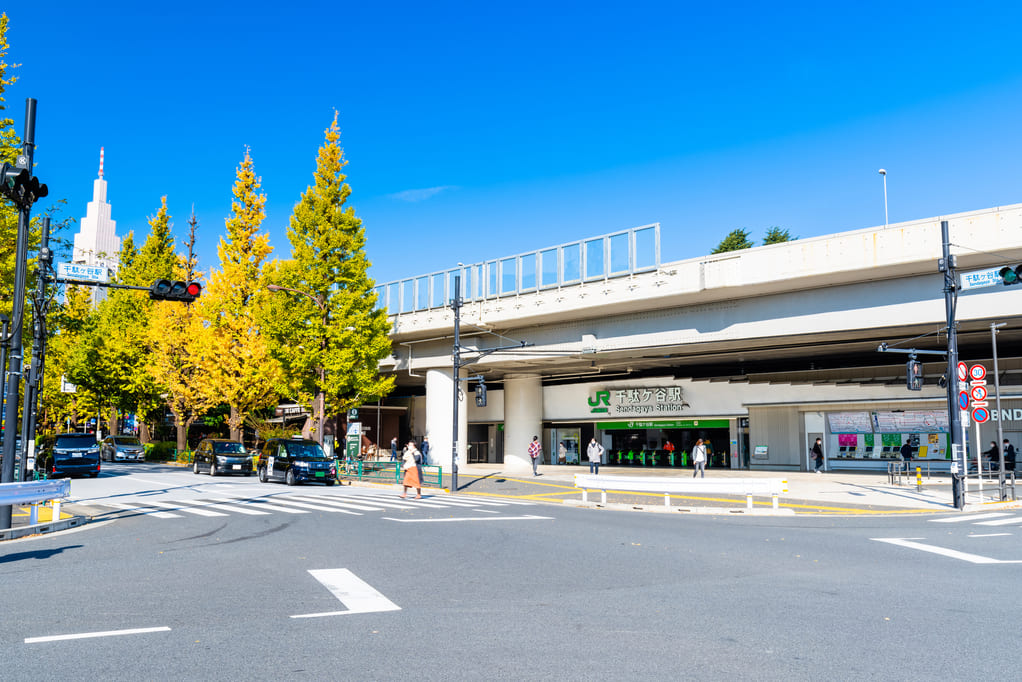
(319,402)
(883,172)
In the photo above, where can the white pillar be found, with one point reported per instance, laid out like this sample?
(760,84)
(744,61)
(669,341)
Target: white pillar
(440,419)
(523,418)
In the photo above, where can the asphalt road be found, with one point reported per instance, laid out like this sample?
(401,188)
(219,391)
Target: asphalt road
(476,588)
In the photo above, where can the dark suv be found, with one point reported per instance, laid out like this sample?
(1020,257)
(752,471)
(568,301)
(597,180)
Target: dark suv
(219,456)
(69,454)
(295,460)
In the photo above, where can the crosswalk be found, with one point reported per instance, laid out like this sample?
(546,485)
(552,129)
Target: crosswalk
(988,519)
(342,503)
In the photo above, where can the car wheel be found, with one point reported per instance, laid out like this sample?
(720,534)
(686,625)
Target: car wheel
(331,482)
(212,468)
(262,474)
(291,477)
(195,467)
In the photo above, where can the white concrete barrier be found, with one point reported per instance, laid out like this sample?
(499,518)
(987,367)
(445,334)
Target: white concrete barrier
(750,487)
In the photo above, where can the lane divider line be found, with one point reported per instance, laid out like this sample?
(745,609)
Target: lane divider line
(86,635)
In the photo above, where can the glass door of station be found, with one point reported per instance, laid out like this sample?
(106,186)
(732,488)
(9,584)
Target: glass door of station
(564,444)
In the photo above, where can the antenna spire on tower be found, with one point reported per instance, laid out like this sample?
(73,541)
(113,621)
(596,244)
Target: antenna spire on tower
(100,162)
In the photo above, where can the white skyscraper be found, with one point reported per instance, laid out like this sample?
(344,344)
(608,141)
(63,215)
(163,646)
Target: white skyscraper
(97,242)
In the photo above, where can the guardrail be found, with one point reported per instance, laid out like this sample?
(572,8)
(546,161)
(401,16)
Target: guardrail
(750,487)
(33,492)
(387,472)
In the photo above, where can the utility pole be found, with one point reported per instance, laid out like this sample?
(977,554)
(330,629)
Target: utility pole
(947,266)
(34,386)
(997,399)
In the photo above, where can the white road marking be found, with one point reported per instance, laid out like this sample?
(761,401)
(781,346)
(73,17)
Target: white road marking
(231,507)
(86,635)
(471,518)
(283,503)
(358,595)
(943,551)
(185,507)
(971,517)
(142,510)
(1001,522)
(986,535)
(312,499)
(275,507)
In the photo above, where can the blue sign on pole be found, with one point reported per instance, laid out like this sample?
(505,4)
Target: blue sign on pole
(963,400)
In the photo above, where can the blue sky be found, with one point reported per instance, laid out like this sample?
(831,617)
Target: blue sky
(480,130)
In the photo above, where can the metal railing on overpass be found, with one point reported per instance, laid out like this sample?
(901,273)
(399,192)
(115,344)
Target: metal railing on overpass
(608,256)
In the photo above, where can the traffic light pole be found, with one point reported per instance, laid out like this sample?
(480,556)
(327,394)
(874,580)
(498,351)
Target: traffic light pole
(34,386)
(16,349)
(947,266)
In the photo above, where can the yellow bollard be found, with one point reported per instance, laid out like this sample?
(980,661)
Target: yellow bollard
(919,479)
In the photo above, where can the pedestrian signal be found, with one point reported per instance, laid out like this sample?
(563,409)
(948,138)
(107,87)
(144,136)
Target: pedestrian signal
(914,375)
(174,290)
(480,394)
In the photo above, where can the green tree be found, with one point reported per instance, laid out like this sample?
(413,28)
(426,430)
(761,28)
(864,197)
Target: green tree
(775,235)
(331,337)
(236,361)
(177,342)
(735,241)
(112,359)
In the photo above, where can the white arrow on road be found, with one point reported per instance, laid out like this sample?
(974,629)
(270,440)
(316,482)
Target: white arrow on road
(355,593)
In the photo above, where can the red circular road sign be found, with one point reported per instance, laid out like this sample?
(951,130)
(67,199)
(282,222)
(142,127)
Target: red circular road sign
(978,393)
(963,371)
(981,414)
(963,400)
(978,372)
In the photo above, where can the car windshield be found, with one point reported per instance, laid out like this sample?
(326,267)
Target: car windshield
(229,448)
(85,440)
(305,450)
(127,441)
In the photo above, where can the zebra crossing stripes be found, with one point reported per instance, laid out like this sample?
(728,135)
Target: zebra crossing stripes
(149,511)
(971,518)
(353,504)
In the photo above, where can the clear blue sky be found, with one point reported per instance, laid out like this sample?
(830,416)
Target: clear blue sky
(480,130)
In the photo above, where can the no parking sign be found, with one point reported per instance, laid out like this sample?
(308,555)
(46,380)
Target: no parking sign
(978,393)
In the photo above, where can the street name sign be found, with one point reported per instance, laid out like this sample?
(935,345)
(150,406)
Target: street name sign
(88,273)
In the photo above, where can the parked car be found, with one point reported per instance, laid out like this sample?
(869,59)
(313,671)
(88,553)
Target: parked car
(220,456)
(69,454)
(121,449)
(295,460)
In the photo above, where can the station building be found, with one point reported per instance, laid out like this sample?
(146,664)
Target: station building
(758,352)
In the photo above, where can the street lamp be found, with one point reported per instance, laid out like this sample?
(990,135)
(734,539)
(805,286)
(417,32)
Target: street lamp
(319,408)
(884,173)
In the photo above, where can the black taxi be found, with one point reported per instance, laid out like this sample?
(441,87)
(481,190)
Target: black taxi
(294,461)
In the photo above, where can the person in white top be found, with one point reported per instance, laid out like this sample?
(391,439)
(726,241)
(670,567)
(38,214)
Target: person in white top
(699,459)
(595,454)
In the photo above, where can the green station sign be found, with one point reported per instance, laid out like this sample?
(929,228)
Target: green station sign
(665,424)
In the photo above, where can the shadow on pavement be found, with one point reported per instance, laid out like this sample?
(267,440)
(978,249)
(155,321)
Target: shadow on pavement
(37,554)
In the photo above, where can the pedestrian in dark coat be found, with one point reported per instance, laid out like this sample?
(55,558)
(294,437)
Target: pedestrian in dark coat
(818,454)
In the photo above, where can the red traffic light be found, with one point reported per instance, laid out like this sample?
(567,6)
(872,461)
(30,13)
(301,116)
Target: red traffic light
(169,290)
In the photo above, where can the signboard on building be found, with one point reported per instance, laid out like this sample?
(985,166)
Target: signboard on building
(850,422)
(911,421)
(643,400)
(666,424)
(87,273)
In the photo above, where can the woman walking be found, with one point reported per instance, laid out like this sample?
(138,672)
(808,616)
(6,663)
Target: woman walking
(410,464)
(699,459)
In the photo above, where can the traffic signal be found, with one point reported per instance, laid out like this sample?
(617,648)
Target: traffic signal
(914,375)
(171,290)
(20,186)
(480,394)
(1011,275)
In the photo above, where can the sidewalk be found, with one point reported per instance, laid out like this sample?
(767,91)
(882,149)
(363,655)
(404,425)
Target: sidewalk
(824,493)
(21,516)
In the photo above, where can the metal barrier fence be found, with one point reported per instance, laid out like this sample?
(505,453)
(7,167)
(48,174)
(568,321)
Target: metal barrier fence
(386,472)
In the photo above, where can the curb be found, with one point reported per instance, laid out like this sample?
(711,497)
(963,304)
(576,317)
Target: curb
(661,509)
(41,528)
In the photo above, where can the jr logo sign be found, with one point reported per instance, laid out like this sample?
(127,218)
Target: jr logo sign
(602,397)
